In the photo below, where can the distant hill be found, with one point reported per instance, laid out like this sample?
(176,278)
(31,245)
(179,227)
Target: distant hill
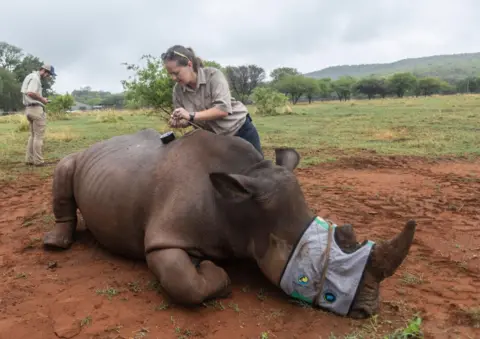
(448,67)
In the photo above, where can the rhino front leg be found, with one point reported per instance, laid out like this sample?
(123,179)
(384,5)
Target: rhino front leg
(185,283)
(64,206)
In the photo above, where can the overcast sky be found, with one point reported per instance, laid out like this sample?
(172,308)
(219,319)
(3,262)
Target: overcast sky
(88,40)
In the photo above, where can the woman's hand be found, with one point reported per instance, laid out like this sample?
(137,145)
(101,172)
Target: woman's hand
(181,113)
(177,123)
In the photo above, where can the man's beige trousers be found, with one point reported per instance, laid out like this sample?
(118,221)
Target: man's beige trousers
(37,118)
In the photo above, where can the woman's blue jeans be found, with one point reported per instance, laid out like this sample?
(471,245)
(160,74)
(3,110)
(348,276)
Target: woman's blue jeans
(249,132)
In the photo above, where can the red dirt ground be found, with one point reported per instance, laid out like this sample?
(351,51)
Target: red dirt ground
(440,279)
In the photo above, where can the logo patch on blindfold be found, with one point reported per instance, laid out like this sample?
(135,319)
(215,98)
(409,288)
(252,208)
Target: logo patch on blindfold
(329,297)
(303,280)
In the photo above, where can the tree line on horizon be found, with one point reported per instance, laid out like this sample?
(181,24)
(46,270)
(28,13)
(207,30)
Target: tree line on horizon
(152,87)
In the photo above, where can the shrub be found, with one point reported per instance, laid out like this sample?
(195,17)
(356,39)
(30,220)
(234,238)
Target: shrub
(268,100)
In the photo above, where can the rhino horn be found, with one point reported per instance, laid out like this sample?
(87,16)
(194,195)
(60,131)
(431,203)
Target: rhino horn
(388,256)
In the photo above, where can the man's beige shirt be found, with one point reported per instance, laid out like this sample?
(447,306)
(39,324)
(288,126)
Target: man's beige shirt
(212,90)
(32,83)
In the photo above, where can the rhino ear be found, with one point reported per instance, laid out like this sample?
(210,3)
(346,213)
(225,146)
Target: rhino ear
(233,187)
(287,157)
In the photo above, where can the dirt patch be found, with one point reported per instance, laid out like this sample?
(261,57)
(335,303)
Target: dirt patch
(87,293)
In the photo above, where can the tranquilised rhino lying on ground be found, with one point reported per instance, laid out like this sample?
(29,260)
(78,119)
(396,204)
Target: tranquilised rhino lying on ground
(205,197)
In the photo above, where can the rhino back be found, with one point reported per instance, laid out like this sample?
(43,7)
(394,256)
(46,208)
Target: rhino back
(137,194)
(113,186)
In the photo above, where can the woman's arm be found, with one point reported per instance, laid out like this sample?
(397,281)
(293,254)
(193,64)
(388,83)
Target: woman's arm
(221,99)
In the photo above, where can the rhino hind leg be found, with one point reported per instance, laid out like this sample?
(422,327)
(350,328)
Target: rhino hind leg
(64,205)
(187,283)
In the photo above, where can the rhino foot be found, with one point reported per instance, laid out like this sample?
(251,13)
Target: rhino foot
(60,237)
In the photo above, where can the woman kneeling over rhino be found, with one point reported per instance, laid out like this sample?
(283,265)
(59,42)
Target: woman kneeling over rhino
(202,95)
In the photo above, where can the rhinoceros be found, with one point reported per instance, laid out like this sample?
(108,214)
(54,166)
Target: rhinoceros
(204,198)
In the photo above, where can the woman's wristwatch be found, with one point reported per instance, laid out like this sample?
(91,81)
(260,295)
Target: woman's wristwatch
(192,116)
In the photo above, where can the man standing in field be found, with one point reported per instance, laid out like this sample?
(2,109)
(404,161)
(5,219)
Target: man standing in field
(35,112)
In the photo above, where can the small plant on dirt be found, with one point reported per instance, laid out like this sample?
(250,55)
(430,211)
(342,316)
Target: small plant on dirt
(86,321)
(472,316)
(234,307)
(21,275)
(154,285)
(261,295)
(215,304)
(411,331)
(163,306)
(109,292)
(264,335)
(181,334)
(411,279)
(31,244)
(141,333)
(134,287)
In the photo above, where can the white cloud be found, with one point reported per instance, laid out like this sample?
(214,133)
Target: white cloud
(88,40)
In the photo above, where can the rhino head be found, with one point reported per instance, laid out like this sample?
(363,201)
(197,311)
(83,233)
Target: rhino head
(271,208)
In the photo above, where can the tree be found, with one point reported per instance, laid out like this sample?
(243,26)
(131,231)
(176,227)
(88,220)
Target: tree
(10,56)
(429,85)
(151,86)
(61,103)
(10,96)
(244,79)
(211,63)
(343,86)
(400,83)
(311,89)
(268,100)
(470,84)
(279,73)
(324,87)
(370,86)
(294,86)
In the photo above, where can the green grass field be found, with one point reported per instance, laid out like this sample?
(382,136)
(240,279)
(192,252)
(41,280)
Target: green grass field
(433,126)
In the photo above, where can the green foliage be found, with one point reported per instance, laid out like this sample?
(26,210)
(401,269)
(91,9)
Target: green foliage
(58,106)
(211,63)
(10,56)
(468,85)
(86,95)
(244,79)
(294,86)
(312,89)
(10,96)
(61,103)
(412,330)
(325,87)
(400,83)
(371,86)
(279,73)
(429,86)
(152,86)
(268,100)
(343,87)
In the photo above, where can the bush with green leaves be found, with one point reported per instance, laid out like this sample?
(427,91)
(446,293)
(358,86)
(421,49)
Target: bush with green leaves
(58,106)
(268,100)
